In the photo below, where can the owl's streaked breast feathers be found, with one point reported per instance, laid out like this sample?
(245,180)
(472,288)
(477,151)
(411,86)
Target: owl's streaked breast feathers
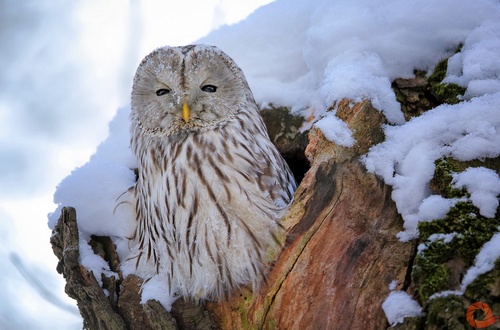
(211,186)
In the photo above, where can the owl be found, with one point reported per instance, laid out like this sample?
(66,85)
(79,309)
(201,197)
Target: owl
(211,186)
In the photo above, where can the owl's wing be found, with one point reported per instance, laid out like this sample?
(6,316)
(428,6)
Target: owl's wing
(274,176)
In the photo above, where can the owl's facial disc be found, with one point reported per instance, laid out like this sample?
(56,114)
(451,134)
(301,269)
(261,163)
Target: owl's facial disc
(190,89)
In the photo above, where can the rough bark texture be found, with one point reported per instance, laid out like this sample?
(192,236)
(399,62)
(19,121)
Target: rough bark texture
(341,252)
(81,284)
(339,256)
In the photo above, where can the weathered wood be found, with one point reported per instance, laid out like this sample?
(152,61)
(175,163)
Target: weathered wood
(341,252)
(81,284)
(121,307)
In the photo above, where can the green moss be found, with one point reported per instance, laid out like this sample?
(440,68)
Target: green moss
(444,92)
(443,174)
(441,182)
(447,313)
(447,92)
(400,97)
(486,285)
(439,73)
(431,277)
(442,266)
(244,307)
(464,219)
(432,272)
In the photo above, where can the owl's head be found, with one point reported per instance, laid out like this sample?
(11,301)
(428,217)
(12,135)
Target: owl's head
(188,88)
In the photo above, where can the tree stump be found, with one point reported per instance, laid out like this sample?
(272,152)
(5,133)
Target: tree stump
(339,256)
(341,251)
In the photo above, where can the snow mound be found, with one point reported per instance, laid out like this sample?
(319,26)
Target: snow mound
(399,305)
(99,192)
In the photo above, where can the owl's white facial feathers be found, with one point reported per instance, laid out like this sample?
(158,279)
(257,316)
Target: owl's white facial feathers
(184,74)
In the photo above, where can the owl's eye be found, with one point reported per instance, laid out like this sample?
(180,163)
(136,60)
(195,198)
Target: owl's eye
(209,88)
(162,91)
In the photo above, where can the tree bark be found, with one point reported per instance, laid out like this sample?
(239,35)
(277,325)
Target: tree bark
(341,252)
(338,258)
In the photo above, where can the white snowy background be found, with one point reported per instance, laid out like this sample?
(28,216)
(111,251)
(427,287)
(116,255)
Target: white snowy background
(67,68)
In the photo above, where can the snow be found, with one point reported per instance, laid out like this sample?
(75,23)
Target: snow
(483,184)
(157,289)
(399,305)
(94,262)
(308,55)
(98,192)
(393,285)
(405,160)
(432,208)
(445,238)
(335,130)
(446,293)
(480,77)
(484,262)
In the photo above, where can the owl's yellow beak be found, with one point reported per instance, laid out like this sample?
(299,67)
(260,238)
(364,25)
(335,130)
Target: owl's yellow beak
(185,112)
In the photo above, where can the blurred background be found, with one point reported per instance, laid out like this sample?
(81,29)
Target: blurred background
(65,68)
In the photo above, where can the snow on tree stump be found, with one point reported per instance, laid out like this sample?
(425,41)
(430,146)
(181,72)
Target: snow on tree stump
(339,256)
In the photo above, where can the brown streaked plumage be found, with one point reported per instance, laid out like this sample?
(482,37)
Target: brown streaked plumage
(211,185)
